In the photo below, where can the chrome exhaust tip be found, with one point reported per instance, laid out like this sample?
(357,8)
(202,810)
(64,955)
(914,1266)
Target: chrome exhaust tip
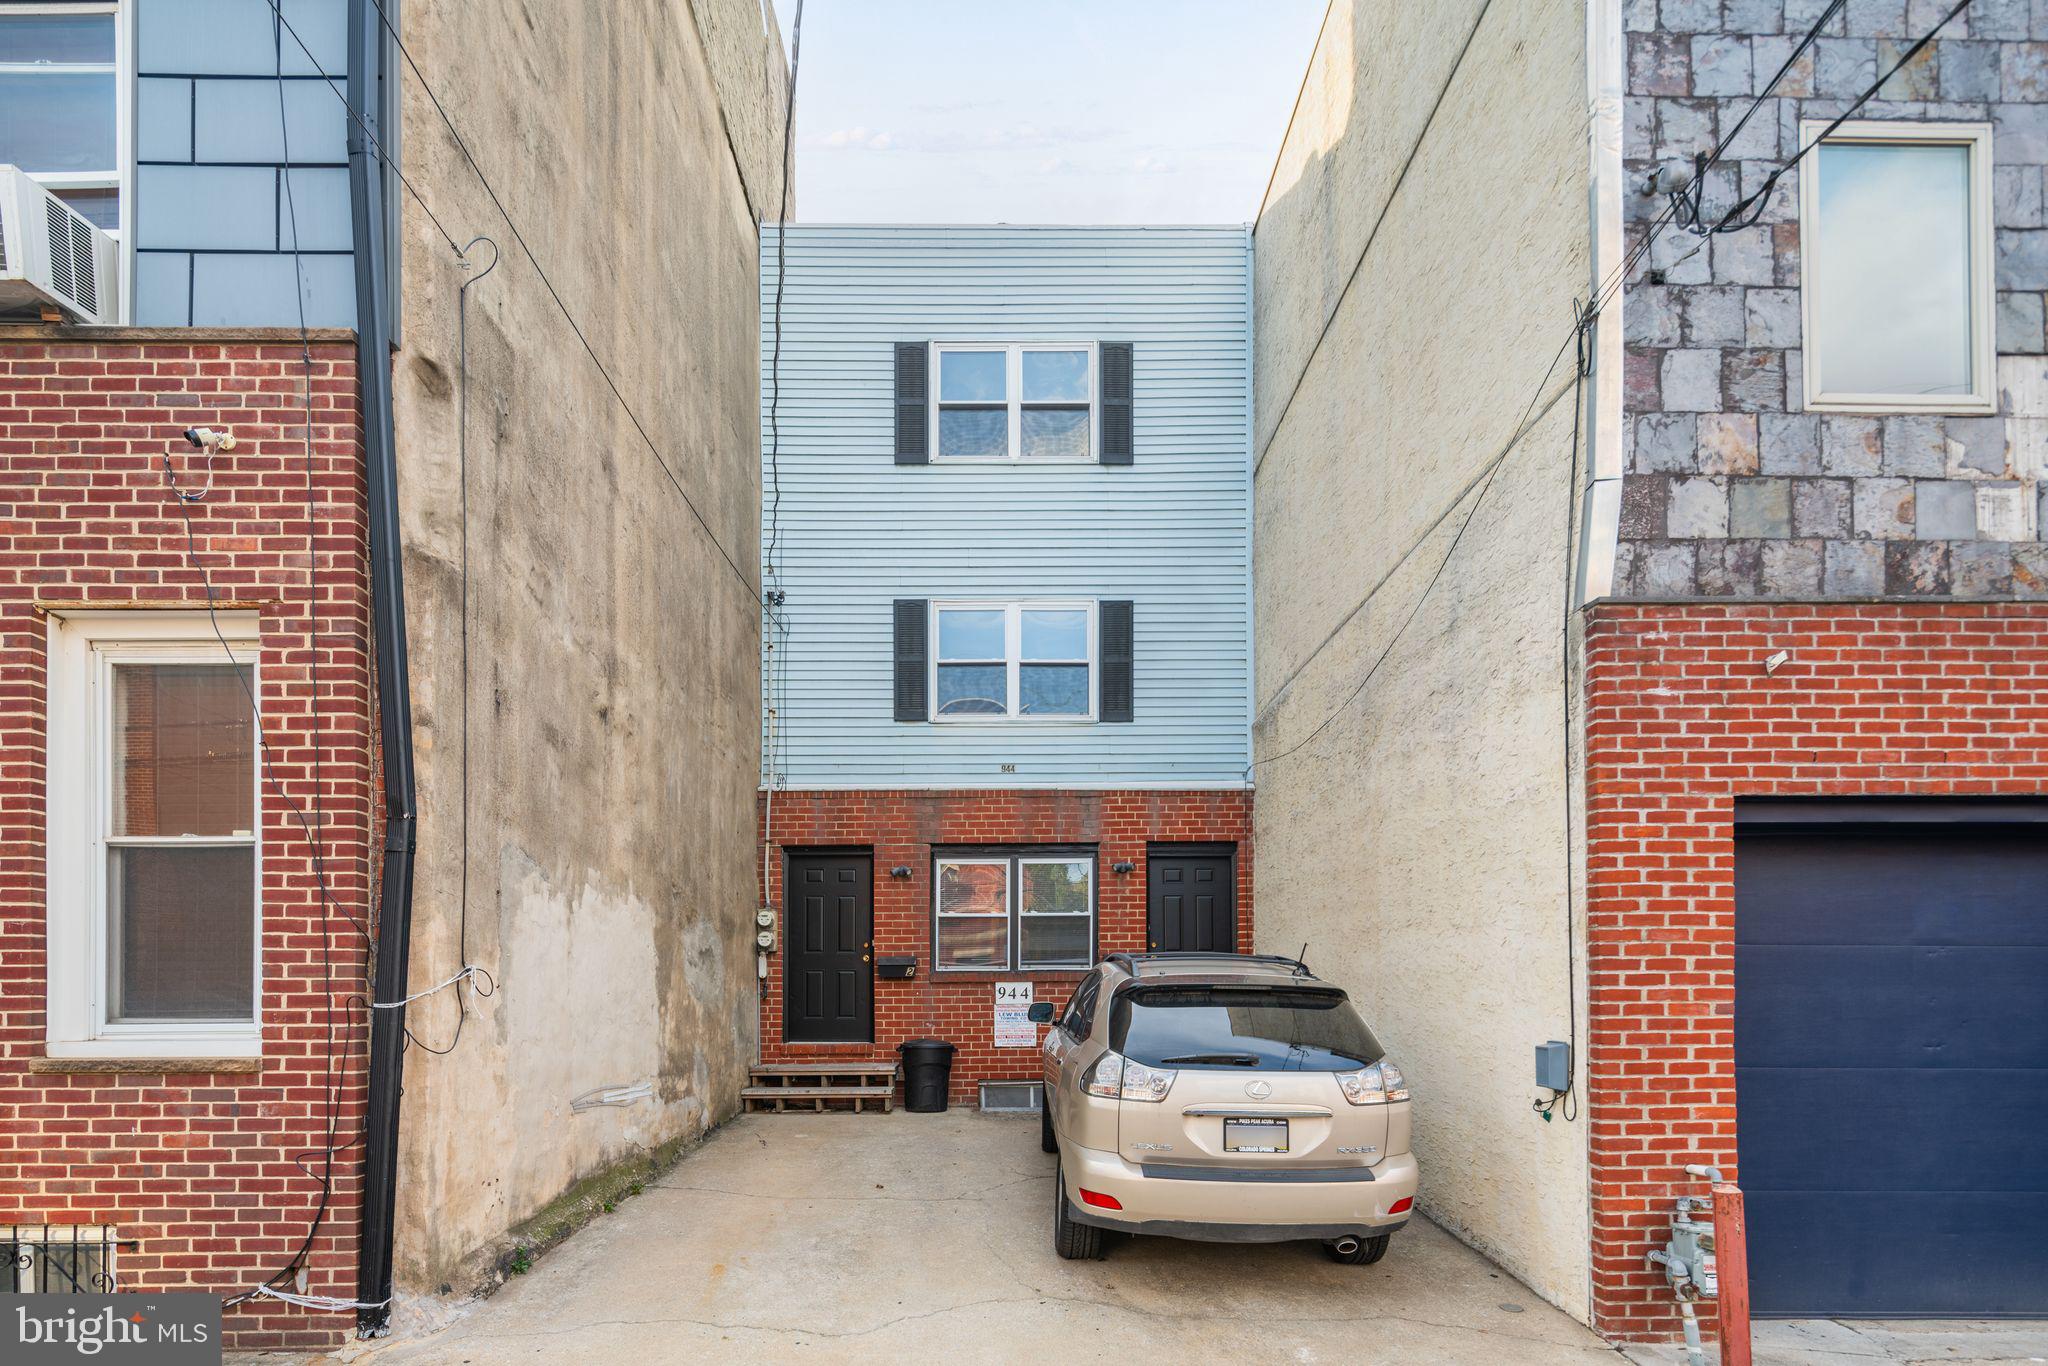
(1345,1246)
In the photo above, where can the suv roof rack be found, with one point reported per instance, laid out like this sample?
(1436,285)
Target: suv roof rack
(1130,961)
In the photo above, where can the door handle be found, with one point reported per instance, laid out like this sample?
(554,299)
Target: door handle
(864,958)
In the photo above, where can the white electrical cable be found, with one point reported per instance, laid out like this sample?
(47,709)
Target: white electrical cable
(331,1303)
(613,1095)
(469,971)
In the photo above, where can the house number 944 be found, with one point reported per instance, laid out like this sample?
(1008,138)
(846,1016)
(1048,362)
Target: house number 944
(1009,768)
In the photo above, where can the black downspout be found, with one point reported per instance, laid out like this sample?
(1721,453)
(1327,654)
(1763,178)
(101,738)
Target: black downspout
(394,696)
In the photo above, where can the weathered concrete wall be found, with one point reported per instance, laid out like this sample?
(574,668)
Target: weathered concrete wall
(1416,841)
(613,652)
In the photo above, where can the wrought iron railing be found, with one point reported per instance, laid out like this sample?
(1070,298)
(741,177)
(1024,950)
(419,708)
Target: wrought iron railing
(59,1259)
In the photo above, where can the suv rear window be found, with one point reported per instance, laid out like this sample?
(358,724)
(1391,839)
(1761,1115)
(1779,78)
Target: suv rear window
(1276,1029)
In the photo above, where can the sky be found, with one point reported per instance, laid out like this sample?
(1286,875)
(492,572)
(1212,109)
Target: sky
(1043,111)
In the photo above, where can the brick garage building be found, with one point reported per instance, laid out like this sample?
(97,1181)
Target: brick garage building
(210,1171)
(1692,745)
(1130,839)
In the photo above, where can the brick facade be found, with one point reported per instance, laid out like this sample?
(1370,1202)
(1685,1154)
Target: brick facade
(903,827)
(1732,489)
(200,1169)
(1876,699)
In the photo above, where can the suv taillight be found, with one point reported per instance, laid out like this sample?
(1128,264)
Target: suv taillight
(1114,1076)
(1379,1084)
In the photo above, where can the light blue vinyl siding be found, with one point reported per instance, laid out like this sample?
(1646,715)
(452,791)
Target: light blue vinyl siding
(213,226)
(1171,532)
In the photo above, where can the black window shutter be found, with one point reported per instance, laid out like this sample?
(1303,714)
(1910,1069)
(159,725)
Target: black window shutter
(912,422)
(1116,403)
(1113,620)
(913,616)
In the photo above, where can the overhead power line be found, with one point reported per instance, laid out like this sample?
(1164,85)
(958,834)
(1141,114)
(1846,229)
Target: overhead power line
(1588,313)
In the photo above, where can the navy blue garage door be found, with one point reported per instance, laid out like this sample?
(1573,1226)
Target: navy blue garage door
(1891,1058)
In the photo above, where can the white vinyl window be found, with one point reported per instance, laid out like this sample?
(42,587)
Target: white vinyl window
(1896,254)
(1013,661)
(154,817)
(1014,911)
(973,914)
(1055,912)
(1031,401)
(63,102)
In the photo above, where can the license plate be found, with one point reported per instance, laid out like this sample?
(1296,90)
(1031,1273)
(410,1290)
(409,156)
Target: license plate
(1254,1135)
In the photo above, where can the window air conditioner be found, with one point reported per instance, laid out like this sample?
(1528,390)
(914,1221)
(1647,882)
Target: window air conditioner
(51,259)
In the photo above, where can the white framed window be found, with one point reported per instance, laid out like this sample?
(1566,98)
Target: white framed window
(1013,910)
(1019,401)
(60,1259)
(1897,266)
(154,821)
(1014,661)
(62,81)
(66,109)
(1055,912)
(973,921)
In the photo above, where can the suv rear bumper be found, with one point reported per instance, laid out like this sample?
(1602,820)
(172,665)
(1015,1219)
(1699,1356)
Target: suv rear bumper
(1239,1207)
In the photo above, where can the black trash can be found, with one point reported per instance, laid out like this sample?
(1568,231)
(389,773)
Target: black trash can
(927,1074)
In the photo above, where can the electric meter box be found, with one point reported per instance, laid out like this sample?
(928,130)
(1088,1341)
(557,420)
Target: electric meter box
(1553,1065)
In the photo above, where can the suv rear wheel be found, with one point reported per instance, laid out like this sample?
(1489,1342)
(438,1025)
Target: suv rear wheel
(1358,1251)
(1073,1241)
(1048,1142)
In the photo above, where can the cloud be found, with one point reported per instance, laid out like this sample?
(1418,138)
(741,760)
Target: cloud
(859,137)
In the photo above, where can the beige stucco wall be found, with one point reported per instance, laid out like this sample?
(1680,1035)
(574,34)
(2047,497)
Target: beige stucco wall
(613,703)
(1417,844)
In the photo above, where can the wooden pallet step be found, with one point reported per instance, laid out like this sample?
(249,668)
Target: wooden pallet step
(810,1069)
(816,1098)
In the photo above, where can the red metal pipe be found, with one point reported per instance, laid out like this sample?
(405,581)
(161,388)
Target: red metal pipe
(1731,1257)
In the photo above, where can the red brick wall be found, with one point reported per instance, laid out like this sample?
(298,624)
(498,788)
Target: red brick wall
(1681,719)
(902,828)
(198,1168)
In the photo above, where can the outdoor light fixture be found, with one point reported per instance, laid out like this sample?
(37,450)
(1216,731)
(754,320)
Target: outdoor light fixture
(899,872)
(1123,867)
(1773,663)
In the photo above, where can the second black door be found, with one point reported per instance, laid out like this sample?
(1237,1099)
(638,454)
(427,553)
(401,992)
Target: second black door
(829,928)
(1191,901)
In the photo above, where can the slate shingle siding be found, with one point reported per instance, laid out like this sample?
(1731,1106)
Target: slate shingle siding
(1732,489)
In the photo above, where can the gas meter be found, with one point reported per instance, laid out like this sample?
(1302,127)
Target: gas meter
(1688,1261)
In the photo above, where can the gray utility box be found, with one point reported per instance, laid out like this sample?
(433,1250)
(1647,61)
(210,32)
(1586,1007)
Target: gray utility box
(1553,1065)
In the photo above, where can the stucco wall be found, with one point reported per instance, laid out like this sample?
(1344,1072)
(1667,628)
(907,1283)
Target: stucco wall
(613,704)
(1417,843)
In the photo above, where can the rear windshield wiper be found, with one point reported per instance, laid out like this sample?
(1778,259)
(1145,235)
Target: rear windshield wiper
(1228,1059)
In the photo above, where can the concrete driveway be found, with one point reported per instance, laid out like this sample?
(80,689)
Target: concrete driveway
(869,1237)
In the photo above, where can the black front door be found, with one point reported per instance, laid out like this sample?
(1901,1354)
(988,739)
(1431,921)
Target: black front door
(1191,901)
(829,923)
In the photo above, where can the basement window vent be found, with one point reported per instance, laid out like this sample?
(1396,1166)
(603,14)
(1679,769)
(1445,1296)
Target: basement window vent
(1012,1097)
(59,1259)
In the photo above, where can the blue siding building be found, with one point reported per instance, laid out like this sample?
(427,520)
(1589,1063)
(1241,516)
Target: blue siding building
(855,531)
(1006,509)
(209,136)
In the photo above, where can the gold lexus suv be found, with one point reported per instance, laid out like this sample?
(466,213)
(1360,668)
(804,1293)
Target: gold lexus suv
(1226,1098)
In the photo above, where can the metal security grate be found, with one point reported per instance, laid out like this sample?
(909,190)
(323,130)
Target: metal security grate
(59,1259)
(1011,1097)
